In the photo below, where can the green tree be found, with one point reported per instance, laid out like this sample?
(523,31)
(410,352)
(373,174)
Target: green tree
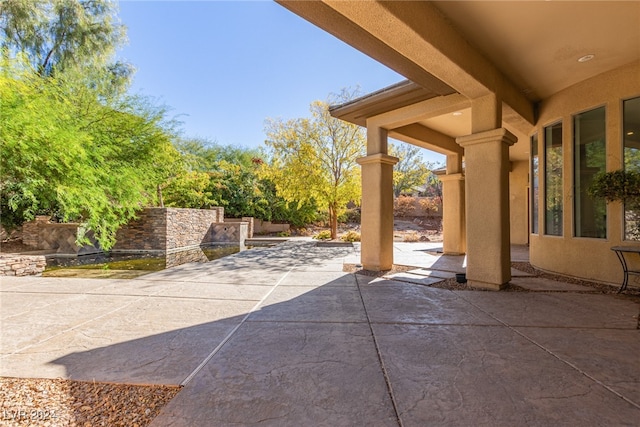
(433,185)
(69,151)
(315,159)
(231,178)
(188,189)
(57,35)
(236,188)
(410,171)
(204,155)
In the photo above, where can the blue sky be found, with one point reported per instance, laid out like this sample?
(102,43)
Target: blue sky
(224,67)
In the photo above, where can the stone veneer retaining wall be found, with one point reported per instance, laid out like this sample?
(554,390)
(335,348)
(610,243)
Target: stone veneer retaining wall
(45,235)
(164,229)
(250,223)
(264,227)
(21,265)
(228,231)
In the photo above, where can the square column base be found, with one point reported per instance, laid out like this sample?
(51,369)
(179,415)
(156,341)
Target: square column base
(486,286)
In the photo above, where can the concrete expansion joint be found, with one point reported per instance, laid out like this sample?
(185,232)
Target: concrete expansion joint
(437,324)
(317,322)
(75,327)
(226,339)
(385,373)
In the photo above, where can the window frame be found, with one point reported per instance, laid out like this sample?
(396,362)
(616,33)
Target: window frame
(534,187)
(549,127)
(574,171)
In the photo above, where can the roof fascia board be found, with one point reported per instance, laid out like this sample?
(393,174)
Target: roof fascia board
(420,111)
(402,87)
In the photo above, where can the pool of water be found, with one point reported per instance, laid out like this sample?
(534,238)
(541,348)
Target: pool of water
(121,265)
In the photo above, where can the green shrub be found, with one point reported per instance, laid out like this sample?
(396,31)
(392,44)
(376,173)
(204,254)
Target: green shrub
(350,216)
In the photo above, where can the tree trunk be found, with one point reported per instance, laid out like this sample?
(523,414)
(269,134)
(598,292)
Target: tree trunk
(160,201)
(333,220)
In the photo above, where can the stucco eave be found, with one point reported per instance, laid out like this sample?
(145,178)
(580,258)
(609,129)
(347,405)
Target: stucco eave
(391,98)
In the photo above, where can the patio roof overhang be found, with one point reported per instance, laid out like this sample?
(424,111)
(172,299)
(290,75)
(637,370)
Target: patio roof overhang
(395,34)
(521,52)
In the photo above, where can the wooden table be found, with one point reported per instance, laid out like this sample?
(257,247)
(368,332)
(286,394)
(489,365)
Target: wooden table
(620,251)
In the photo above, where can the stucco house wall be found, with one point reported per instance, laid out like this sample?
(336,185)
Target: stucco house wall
(588,258)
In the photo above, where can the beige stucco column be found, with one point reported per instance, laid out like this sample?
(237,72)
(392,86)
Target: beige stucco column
(487,207)
(453,214)
(377,202)
(453,211)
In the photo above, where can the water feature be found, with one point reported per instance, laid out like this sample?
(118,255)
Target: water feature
(129,265)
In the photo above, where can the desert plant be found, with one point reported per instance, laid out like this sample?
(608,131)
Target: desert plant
(411,237)
(302,232)
(323,235)
(404,206)
(351,236)
(429,205)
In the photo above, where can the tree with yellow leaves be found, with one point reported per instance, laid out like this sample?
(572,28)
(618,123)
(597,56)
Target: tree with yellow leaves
(314,159)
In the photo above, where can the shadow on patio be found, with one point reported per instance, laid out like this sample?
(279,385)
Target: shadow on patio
(347,351)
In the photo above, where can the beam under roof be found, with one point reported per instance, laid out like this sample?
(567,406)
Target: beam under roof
(428,138)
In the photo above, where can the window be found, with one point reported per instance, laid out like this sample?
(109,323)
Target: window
(535,176)
(553,179)
(590,215)
(631,134)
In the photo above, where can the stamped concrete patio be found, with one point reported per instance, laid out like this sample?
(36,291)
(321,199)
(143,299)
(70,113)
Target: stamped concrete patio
(282,336)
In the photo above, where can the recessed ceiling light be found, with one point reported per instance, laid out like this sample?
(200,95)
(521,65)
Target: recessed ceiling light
(457,113)
(586,58)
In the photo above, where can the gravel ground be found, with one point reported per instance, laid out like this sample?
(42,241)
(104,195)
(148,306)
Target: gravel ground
(59,402)
(631,293)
